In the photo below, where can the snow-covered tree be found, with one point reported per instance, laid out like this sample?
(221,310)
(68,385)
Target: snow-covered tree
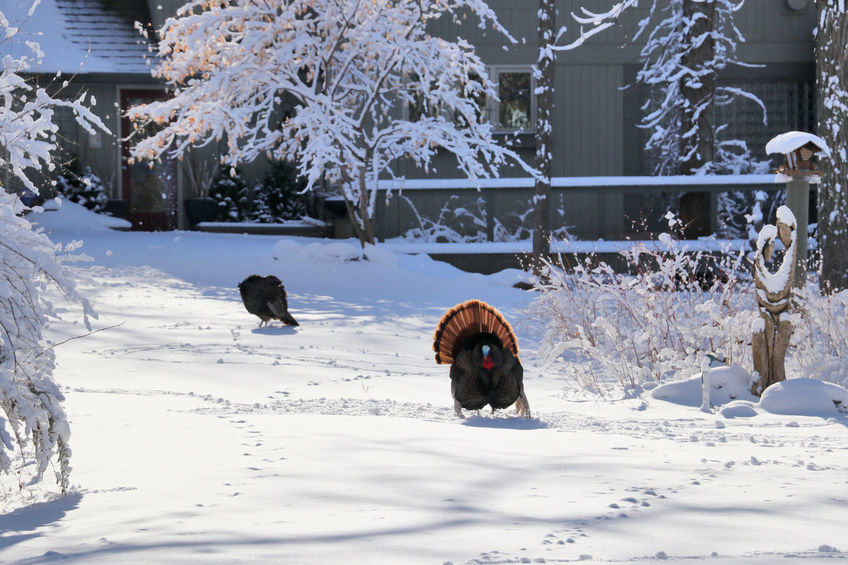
(349,68)
(832,77)
(688,43)
(34,430)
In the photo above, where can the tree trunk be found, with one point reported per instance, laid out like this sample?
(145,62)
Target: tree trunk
(832,87)
(698,91)
(358,211)
(544,135)
(697,143)
(366,222)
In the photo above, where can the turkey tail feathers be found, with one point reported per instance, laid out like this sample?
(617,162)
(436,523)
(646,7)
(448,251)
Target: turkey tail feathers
(468,319)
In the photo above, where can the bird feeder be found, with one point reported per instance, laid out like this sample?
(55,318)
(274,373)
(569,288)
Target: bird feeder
(800,150)
(799,171)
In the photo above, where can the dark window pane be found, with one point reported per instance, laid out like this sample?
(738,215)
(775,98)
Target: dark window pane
(514,106)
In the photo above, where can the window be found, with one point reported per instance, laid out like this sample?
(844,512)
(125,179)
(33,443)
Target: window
(515,110)
(66,136)
(790,105)
(515,107)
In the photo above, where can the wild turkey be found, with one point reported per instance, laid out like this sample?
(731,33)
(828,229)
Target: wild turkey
(266,297)
(482,351)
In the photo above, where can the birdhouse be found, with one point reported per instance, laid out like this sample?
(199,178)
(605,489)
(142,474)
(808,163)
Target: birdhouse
(800,149)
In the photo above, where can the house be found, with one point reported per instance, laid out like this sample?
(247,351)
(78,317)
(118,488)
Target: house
(94,45)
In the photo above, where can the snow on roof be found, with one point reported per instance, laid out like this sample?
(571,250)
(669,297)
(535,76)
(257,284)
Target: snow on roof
(792,140)
(80,36)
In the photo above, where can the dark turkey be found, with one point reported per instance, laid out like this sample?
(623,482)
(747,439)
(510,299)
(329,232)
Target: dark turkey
(266,297)
(482,351)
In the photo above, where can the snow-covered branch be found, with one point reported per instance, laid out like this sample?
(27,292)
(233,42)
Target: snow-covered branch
(592,23)
(33,427)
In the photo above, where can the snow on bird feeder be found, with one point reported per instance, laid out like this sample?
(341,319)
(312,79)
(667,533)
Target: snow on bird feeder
(800,149)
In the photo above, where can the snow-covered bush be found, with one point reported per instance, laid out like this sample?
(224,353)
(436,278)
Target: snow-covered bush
(455,224)
(34,429)
(85,188)
(30,401)
(822,330)
(655,322)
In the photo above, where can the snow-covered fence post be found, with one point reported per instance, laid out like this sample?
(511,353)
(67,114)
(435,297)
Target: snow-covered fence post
(774,294)
(799,171)
(706,405)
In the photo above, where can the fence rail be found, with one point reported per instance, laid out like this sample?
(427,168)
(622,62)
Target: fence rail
(587,207)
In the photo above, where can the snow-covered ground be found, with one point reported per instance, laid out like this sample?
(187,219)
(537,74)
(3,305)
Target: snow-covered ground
(198,437)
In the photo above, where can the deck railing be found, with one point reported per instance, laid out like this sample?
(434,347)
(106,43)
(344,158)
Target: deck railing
(588,207)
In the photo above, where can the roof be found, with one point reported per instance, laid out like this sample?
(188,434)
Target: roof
(80,36)
(792,140)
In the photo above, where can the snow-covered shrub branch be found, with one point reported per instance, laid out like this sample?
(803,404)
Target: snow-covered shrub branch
(821,327)
(34,430)
(655,323)
(347,71)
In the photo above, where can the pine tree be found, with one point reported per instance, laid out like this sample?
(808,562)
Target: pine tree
(280,196)
(230,193)
(82,187)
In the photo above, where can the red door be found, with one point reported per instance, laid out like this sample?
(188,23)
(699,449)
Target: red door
(151,191)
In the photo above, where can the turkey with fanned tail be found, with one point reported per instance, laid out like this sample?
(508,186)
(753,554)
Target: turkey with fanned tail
(482,350)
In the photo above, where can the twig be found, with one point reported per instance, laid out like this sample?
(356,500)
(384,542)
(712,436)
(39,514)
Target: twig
(79,337)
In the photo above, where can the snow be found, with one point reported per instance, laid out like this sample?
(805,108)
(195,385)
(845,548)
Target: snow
(792,140)
(198,437)
(76,218)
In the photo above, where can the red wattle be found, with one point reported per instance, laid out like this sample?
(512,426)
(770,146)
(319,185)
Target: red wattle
(487,362)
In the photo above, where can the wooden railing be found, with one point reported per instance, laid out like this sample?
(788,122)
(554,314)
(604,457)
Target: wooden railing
(590,207)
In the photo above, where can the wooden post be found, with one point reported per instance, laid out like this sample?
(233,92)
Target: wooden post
(798,200)
(489,198)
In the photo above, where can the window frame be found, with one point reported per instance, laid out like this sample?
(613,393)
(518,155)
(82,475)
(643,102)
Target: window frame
(493,106)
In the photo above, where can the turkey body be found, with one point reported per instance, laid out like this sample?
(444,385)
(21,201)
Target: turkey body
(265,297)
(482,351)
(474,386)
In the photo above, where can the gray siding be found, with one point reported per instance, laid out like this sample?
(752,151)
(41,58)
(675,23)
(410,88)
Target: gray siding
(593,118)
